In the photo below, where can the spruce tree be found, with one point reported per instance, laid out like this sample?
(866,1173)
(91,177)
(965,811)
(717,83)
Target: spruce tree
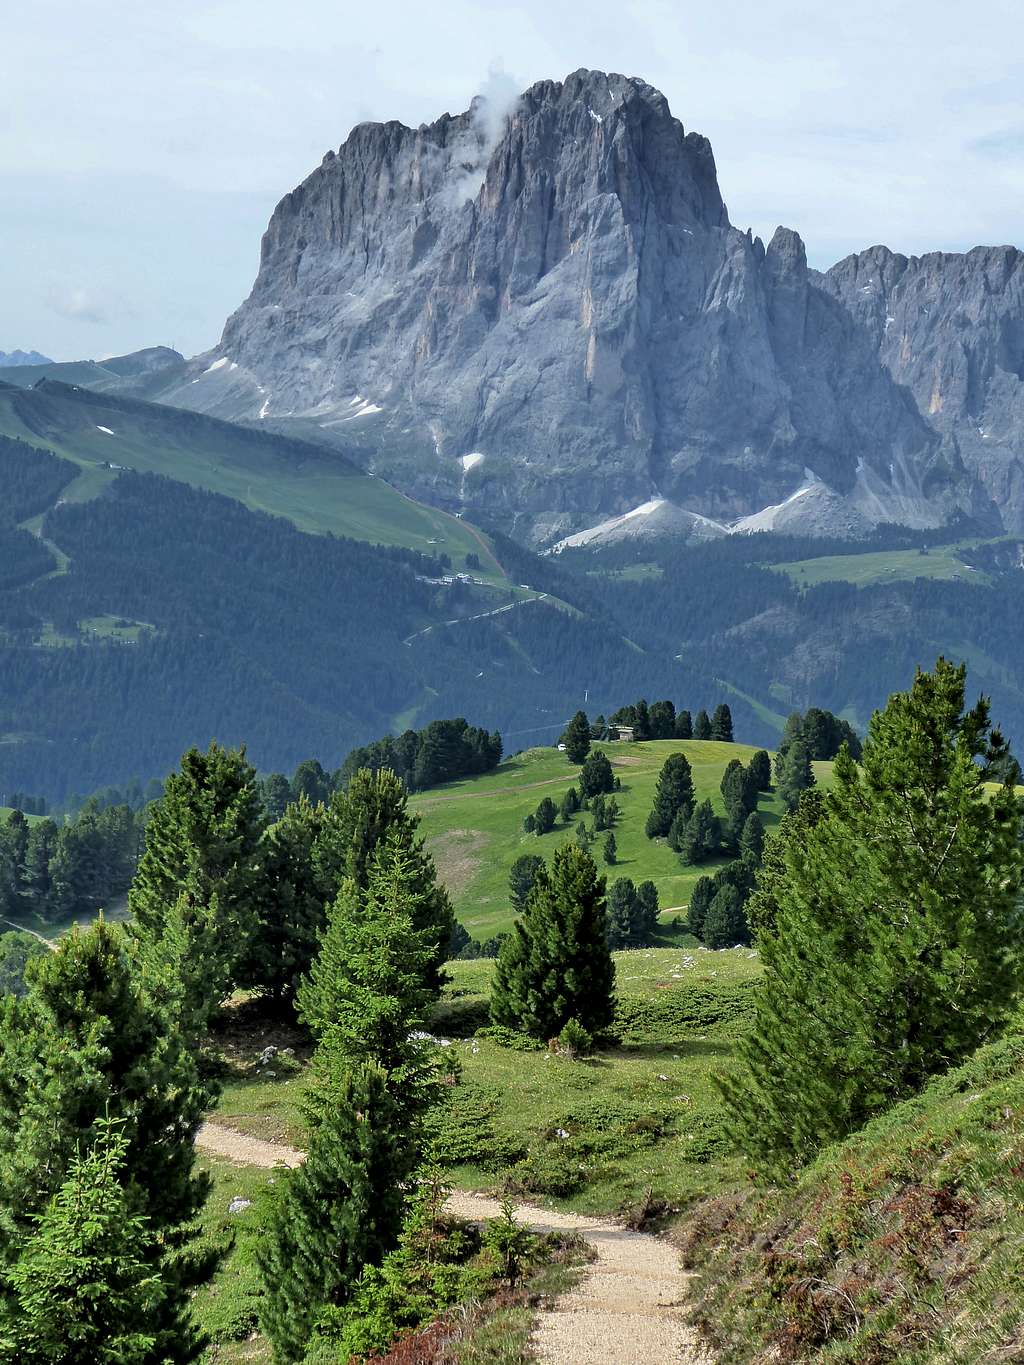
(684,725)
(702,725)
(896,944)
(337,1212)
(577,738)
(673,793)
(609,851)
(556,966)
(570,805)
(358,821)
(85,1290)
(202,839)
(721,723)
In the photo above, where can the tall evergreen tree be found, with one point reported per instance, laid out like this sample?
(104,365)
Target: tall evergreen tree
(673,793)
(596,775)
(522,874)
(85,1290)
(701,896)
(96,1039)
(721,723)
(701,837)
(544,816)
(290,905)
(751,840)
(340,1210)
(684,725)
(702,725)
(609,851)
(760,769)
(791,834)
(373,809)
(663,720)
(202,841)
(725,924)
(795,773)
(622,913)
(896,943)
(577,738)
(570,805)
(647,899)
(555,965)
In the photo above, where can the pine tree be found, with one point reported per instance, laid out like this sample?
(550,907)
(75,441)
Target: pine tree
(577,738)
(556,966)
(202,839)
(762,907)
(84,1290)
(760,769)
(290,906)
(608,850)
(570,805)
(896,943)
(522,875)
(663,720)
(701,837)
(596,775)
(795,773)
(96,1038)
(358,821)
(701,896)
(622,912)
(725,923)
(544,816)
(647,902)
(752,837)
(684,725)
(702,726)
(337,1212)
(721,723)
(369,985)
(673,793)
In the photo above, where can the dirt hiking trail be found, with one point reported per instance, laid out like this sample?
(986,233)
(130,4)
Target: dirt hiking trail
(628,1309)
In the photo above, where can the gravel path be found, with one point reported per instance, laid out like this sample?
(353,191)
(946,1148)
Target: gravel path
(628,1309)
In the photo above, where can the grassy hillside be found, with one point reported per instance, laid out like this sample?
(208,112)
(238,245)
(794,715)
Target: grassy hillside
(474,828)
(319,491)
(883,566)
(904,1243)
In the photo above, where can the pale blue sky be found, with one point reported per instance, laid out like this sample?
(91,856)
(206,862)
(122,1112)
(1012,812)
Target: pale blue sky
(143,147)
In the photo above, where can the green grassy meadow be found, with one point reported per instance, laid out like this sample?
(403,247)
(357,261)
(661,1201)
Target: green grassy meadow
(474,828)
(882,566)
(321,495)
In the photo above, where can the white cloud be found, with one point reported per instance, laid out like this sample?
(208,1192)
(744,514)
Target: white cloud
(78,304)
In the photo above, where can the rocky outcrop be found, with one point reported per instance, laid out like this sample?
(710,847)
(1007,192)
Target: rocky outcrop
(950,328)
(545,316)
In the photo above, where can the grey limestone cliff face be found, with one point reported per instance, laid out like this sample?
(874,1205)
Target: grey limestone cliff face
(546,316)
(950,328)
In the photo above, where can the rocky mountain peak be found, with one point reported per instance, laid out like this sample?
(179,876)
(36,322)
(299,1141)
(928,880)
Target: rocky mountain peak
(542,313)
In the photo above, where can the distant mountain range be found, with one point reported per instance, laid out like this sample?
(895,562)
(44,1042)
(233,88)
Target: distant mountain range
(8,358)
